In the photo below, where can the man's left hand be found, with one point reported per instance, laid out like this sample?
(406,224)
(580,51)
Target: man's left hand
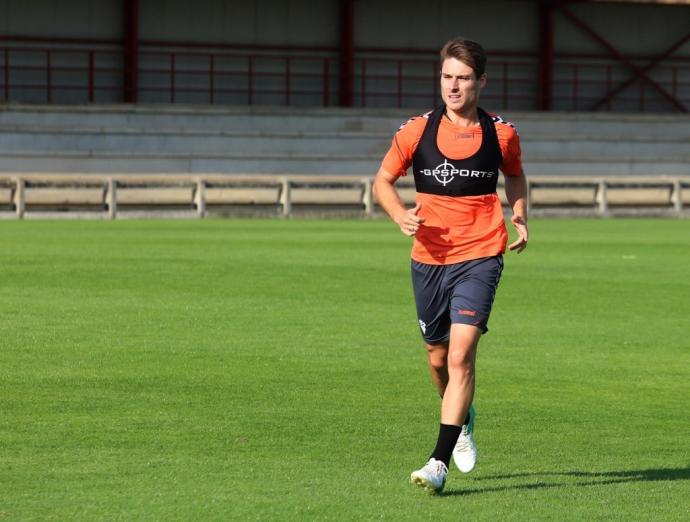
(520,224)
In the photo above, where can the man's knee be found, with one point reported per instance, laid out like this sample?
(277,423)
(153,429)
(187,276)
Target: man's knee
(463,347)
(461,360)
(461,357)
(438,356)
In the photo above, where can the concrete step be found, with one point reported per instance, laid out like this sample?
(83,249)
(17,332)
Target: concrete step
(291,143)
(608,166)
(572,148)
(111,162)
(192,142)
(277,119)
(589,125)
(322,140)
(288,119)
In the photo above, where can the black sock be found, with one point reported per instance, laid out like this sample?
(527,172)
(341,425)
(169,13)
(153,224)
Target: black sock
(447,437)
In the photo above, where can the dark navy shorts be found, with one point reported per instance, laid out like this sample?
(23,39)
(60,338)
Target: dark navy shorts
(459,293)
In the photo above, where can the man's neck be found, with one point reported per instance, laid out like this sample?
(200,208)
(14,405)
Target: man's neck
(468,118)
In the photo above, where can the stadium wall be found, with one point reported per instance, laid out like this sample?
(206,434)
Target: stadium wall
(498,24)
(289,51)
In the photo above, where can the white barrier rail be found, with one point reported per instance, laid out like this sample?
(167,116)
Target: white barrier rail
(161,195)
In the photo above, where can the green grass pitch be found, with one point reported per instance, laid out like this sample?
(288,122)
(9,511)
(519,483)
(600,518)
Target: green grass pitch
(273,370)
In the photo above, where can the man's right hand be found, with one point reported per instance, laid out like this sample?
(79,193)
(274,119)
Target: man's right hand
(409,222)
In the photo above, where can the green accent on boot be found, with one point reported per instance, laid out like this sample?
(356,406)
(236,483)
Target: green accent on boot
(472,414)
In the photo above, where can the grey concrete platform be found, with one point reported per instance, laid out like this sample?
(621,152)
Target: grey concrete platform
(188,139)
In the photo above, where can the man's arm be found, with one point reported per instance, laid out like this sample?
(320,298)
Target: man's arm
(516,192)
(387,196)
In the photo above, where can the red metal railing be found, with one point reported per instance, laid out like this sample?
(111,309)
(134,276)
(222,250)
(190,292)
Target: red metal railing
(207,76)
(580,86)
(53,71)
(73,73)
(398,82)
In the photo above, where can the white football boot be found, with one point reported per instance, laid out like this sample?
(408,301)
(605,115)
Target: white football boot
(465,452)
(431,477)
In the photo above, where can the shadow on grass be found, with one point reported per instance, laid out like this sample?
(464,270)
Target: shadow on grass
(584,478)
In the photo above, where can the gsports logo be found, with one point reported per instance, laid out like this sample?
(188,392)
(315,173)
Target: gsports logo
(443,173)
(446,172)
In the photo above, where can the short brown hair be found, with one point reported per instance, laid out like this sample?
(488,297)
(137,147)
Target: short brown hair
(467,51)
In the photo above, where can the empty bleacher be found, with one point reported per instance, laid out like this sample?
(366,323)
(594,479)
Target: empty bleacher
(108,160)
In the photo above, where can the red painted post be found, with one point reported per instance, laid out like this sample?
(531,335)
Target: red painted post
(91,77)
(546,45)
(326,85)
(131,52)
(347,52)
(211,74)
(49,82)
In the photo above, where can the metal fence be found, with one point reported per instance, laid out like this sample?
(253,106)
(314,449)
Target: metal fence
(199,196)
(93,73)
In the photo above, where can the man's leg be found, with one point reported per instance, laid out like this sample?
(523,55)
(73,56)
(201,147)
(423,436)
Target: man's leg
(438,365)
(462,354)
(460,391)
(460,360)
(437,355)
(431,296)
(471,302)
(473,289)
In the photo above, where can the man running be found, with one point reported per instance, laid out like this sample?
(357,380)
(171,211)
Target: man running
(456,152)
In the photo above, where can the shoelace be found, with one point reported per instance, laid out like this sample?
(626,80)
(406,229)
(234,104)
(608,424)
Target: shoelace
(462,445)
(438,467)
(463,442)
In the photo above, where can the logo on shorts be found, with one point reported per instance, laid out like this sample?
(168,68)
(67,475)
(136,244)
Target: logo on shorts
(471,313)
(446,172)
(422,325)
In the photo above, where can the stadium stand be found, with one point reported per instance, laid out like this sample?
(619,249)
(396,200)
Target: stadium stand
(313,141)
(131,160)
(129,109)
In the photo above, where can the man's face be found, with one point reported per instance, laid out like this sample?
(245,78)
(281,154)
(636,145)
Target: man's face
(460,86)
